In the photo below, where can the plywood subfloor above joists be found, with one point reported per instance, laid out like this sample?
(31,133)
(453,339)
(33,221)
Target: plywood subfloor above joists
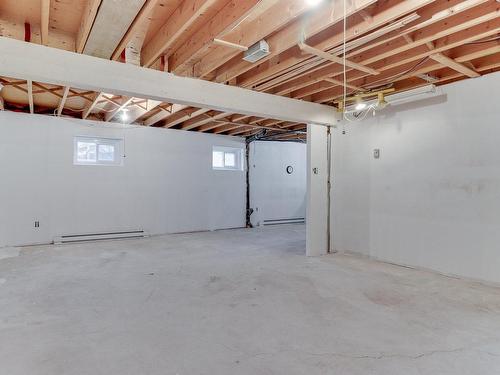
(111,24)
(396,43)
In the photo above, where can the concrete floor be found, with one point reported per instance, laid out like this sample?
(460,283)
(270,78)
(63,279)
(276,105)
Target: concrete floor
(236,302)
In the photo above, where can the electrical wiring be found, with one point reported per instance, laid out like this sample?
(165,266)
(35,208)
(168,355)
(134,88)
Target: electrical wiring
(395,78)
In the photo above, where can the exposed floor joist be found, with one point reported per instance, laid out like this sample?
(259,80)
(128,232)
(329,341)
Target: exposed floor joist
(399,43)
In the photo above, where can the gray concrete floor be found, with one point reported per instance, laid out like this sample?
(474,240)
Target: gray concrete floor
(236,302)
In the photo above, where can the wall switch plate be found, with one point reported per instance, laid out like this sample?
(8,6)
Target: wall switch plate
(376,153)
(37,224)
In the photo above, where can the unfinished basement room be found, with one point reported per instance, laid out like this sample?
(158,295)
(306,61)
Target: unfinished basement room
(249,187)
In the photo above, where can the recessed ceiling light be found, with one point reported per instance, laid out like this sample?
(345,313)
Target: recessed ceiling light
(313,3)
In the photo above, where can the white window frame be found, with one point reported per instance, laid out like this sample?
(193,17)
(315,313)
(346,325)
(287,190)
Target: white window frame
(238,158)
(117,143)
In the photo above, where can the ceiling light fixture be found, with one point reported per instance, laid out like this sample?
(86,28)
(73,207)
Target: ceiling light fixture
(360,105)
(124,115)
(313,3)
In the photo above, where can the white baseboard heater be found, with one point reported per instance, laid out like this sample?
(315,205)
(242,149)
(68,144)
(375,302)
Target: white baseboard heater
(70,238)
(299,220)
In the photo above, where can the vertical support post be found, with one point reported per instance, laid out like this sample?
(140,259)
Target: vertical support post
(317,231)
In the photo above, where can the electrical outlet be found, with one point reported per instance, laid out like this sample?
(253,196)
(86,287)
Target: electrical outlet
(37,224)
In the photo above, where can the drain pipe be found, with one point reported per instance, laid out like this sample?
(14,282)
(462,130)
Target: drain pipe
(249,210)
(329,188)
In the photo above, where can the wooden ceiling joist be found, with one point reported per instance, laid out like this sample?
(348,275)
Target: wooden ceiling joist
(397,43)
(270,15)
(162,114)
(339,60)
(88,109)
(183,116)
(44,21)
(63,101)
(462,33)
(294,56)
(398,60)
(136,113)
(446,61)
(233,13)
(142,19)
(184,16)
(30,96)
(328,14)
(203,119)
(86,24)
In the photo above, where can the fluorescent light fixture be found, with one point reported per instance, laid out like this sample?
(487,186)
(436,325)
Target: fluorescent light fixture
(313,3)
(413,95)
(419,93)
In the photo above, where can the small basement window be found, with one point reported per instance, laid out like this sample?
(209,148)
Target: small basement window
(227,158)
(98,151)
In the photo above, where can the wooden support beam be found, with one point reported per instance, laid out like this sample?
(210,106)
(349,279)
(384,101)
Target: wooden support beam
(450,63)
(339,60)
(86,23)
(180,21)
(63,101)
(30,96)
(91,73)
(88,109)
(44,21)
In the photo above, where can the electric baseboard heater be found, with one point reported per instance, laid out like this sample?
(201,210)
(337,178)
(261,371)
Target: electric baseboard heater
(90,237)
(299,220)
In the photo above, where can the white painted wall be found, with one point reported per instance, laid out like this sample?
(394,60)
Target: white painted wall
(275,194)
(166,185)
(433,198)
